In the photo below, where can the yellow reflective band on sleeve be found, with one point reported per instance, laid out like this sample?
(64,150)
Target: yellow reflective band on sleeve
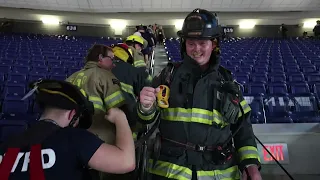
(97,103)
(139,63)
(149,78)
(145,117)
(127,88)
(169,170)
(114,100)
(248,152)
(231,173)
(134,136)
(245,106)
(195,115)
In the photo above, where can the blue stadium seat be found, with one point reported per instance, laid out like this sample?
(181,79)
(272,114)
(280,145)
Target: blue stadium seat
(38,63)
(277,69)
(71,63)
(300,89)
(21,63)
(256,89)
(73,70)
(259,78)
(14,91)
(313,78)
(277,78)
(5,68)
(35,77)
(15,106)
(39,70)
(278,110)
(58,77)
(58,70)
(296,77)
(243,79)
(245,69)
(310,69)
(257,108)
(278,89)
(16,78)
(292,69)
(260,69)
(20,69)
(7,62)
(304,109)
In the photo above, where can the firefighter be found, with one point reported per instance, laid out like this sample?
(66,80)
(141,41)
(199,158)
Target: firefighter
(65,150)
(205,133)
(102,88)
(136,44)
(148,37)
(132,81)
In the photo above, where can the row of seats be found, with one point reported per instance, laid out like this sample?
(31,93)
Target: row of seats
(294,89)
(75,63)
(276,77)
(26,58)
(283,109)
(38,70)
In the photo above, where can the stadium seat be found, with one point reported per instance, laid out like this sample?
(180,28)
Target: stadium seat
(257,108)
(278,89)
(256,89)
(304,109)
(278,110)
(16,78)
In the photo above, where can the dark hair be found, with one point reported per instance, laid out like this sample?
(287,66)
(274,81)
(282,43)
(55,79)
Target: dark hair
(96,50)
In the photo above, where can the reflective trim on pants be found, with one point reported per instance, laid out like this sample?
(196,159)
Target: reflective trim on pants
(231,173)
(169,170)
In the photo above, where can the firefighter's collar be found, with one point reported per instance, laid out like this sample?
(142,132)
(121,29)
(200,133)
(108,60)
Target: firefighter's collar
(91,64)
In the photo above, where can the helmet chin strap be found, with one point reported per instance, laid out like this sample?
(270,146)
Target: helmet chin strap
(74,120)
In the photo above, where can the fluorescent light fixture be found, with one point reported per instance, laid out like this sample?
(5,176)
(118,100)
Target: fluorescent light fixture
(309,24)
(118,25)
(50,20)
(178,24)
(247,24)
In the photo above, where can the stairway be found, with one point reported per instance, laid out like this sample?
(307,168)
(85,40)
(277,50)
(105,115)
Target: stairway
(160,59)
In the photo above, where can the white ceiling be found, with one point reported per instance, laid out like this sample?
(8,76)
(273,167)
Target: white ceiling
(164,5)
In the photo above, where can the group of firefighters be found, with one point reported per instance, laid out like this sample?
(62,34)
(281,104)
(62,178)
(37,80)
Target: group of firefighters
(204,124)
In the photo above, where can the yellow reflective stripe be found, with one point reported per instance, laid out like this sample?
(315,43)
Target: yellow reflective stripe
(231,173)
(134,136)
(149,78)
(114,99)
(83,92)
(127,88)
(169,170)
(139,63)
(97,102)
(248,152)
(145,117)
(193,115)
(245,106)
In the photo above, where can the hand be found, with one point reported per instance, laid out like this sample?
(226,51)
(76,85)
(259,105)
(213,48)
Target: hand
(253,173)
(114,115)
(148,96)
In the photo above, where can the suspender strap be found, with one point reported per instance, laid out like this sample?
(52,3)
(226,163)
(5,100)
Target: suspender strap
(8,162)
(36,169)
